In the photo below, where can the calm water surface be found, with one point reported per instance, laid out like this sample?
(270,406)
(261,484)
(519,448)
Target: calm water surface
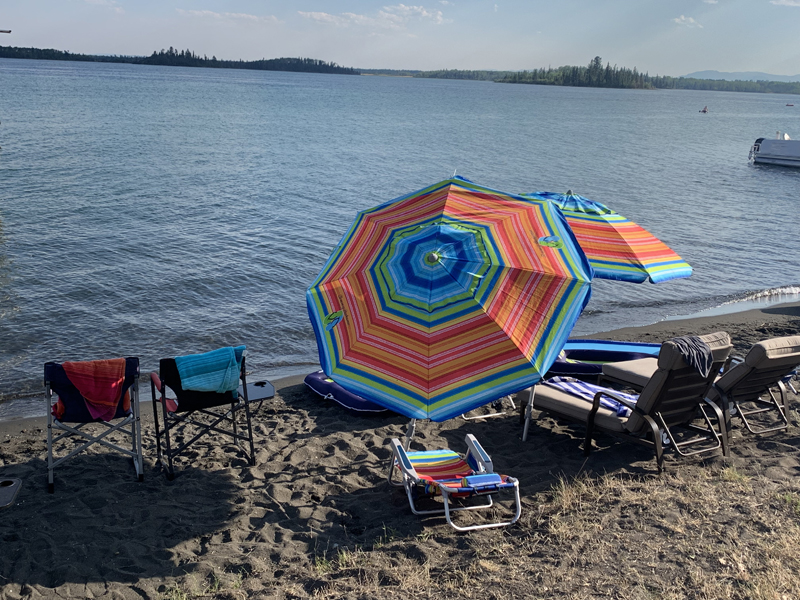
(155,211)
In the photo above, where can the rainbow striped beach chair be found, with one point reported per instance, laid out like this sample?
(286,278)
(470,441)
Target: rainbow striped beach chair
(447,474)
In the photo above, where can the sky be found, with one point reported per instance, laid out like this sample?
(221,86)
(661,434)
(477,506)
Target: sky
(664,37)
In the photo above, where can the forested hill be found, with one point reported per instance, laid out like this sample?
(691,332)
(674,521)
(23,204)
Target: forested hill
(596,75)
(184,58)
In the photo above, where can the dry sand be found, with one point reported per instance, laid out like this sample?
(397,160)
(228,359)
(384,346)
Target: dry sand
(316,518)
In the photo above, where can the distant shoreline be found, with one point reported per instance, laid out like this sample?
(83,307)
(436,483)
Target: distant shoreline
(595,75)
(184,58)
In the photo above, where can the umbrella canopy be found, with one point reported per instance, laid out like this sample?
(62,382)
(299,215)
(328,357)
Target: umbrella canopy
(616,247)
(448,298)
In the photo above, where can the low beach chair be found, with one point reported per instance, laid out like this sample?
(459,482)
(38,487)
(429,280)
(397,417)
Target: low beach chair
(449,475)
(102,392)
(666,410)
(756,384)
(208,398)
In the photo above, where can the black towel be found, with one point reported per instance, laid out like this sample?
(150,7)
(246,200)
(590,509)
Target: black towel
(695,352)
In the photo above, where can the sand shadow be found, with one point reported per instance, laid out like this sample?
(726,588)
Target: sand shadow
(102,525)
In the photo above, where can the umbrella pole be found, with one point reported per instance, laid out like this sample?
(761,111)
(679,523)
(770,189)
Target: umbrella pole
(412,426)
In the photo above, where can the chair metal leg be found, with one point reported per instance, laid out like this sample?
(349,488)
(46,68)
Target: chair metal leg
(252,460)
(48,398)
(155,422)
(656,431)
(170,470)
(136,433)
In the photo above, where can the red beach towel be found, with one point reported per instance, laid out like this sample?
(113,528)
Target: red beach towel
(100,382)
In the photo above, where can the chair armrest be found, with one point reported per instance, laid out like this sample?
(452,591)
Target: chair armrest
(480,455)
(402,459)
(613,396)
(730,362)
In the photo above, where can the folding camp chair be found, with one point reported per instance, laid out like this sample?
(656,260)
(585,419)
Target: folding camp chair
(672,400)
(443,472)
(104,392)
(196,408)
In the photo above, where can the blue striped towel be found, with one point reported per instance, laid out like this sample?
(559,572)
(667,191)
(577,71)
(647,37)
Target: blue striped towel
(586,391)
(215,371)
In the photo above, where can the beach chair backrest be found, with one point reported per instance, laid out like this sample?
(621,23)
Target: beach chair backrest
(75,410)
(675,389)
(190,400)
(766,363)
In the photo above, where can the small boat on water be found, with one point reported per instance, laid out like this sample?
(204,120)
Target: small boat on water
(790,105)
(705,110)
(782,150)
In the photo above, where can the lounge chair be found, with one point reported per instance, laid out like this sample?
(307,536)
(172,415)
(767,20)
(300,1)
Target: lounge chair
(208,398)
(104,392)
(446,473)
(672,399)
(742,387)
(756,384)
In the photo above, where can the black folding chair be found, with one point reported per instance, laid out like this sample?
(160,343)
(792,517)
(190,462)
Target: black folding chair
(197,412)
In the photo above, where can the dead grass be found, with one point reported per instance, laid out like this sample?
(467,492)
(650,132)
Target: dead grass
(696,533)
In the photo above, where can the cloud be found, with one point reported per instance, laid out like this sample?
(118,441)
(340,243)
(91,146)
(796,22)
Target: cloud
(785,2)
(711,1)
(395,17)
(687,21)
(112,4)
(446,3)
(208,14)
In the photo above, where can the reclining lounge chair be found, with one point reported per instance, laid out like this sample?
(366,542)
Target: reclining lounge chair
(752,385)
(207,400)
(756,384)
(446,473)
(673,397)
(104,392)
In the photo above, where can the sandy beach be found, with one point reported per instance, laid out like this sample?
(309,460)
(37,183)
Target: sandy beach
(315,518)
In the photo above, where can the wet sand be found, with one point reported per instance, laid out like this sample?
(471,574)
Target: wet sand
(315,517)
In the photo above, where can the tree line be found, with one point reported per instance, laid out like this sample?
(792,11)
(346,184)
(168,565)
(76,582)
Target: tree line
(596,75)
(184,58)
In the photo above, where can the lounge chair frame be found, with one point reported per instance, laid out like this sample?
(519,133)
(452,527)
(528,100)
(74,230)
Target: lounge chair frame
(128,426)
(748,397)
(662,425)
(499,412)
(205,419)
(410,480)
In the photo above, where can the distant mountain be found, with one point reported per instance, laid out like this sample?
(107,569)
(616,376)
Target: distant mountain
(742,76)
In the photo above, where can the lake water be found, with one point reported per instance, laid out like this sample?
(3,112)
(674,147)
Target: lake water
(155,211)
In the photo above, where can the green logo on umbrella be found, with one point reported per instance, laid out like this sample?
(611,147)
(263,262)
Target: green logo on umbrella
(551,241)
(333,319)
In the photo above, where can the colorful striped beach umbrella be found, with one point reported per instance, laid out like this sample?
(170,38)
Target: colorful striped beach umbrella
(616,247)
(448,298)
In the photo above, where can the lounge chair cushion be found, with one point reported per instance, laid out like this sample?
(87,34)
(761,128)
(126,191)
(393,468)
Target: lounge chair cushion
(636,372)
(782,351)
(555,401)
